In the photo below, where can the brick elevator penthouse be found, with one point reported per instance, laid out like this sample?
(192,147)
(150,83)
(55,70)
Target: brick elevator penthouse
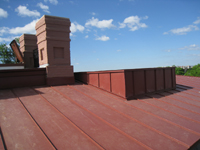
(54,49)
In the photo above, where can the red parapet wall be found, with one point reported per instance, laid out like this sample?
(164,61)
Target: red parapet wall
(131,82)
(22,77)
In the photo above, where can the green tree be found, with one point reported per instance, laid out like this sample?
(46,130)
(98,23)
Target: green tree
(194,71)
(179,71)
(7,56)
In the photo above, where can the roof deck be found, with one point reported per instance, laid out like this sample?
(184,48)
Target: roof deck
(81,116)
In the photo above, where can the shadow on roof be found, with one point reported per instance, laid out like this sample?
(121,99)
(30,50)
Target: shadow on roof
(163,93)
(19,92)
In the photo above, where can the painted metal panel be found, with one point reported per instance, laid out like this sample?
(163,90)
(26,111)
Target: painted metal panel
(168,78)
(139,82)
(118,84)
(93,79)
(159,79)
(150,81)
(104,81)
(129,84)
(173,78)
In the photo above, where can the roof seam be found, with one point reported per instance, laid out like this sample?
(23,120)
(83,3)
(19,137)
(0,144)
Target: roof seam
(76,126)
(187,92)
(128,136)
(32,118)
(151,114)
(183,96)
(143,124)
(178,100)
(170,111)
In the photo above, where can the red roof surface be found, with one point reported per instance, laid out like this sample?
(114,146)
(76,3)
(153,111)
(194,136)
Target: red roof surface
(83,117)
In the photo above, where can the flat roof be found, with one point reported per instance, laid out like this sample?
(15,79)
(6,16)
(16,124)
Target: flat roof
(81,116)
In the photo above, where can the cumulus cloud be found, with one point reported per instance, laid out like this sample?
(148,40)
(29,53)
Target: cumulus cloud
(24,11)
(45,8)
(3,13)
(86,36)
(54,2)
(197,21)
(103,38)
(133,22)
(191,47)
(28,28)
(76,27)
(99,24)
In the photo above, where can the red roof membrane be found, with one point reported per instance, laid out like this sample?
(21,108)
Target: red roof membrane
(84,117)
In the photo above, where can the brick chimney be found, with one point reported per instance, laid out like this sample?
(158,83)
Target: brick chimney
(28,43)
(54,49)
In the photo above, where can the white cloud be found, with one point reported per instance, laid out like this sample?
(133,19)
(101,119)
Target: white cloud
(191,47)
(183,30)
(55,2)
(133,22)
(103,38)
(3,30)
(76,27)
(100,24)
(8,39)
(122,25)
(197,21)
(3,13)
(29,28)
(23,11)
(71,34)
(86,36)
(119,50)
(134,28)
(45,8)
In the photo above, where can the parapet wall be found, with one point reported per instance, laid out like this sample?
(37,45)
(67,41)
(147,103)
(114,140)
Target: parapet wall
(22,78)
(131,83)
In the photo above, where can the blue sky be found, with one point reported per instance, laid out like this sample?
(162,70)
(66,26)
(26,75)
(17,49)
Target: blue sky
(115,34)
